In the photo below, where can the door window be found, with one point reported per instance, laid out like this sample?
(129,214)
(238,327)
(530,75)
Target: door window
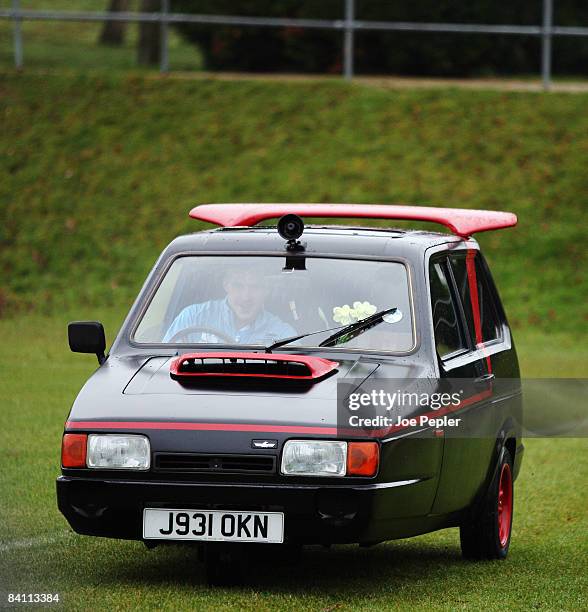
(448,334)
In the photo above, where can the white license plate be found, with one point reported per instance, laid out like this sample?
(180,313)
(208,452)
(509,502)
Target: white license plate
(213,525)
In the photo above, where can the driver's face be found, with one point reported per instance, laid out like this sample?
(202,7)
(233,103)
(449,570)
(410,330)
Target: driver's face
(246,293)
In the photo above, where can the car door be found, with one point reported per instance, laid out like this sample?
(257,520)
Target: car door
(497,409)
(457,320)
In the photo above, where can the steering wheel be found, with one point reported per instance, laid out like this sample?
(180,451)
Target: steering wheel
(203,330)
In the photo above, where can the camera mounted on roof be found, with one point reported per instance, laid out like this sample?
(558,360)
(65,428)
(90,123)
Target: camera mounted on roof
(291,227)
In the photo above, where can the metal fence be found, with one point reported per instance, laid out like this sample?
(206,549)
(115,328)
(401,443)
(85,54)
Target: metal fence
(348,26)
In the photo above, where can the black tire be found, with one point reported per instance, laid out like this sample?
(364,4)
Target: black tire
(485,534)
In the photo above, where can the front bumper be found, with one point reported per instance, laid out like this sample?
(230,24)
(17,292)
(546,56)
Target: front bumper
(321,514)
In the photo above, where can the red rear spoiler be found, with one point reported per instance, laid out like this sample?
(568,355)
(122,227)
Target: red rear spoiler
(251,365)
(460,221)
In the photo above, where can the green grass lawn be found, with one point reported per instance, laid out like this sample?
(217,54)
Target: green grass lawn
(39,378)
(546,568)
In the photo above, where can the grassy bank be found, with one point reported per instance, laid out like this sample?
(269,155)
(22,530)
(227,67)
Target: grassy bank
(98,174)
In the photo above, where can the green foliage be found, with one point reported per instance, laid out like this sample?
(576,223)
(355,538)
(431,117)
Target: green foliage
(98,175)
(262,49)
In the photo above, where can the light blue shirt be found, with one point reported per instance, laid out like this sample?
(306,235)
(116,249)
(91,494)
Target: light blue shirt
(217,314)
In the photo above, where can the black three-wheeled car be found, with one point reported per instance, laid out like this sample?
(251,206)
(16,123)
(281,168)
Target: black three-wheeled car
(223,414)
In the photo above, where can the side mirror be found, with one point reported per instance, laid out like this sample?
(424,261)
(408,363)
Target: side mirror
(87,337)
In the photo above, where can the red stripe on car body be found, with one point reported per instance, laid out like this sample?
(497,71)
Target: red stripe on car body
(261,428)
(199,426)
(475,300)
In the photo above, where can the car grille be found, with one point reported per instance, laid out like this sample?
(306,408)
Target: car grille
(205,463)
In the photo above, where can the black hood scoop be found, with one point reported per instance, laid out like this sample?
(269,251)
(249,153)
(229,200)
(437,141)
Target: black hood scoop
(226,366)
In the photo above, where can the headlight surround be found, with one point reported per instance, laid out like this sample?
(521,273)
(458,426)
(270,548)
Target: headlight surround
(314,458)
(118,452)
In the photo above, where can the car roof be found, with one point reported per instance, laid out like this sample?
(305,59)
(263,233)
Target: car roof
(336,240)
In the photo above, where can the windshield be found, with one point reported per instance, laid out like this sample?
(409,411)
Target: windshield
(234,300)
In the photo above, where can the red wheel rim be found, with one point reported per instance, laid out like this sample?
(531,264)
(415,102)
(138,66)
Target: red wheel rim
(504,505)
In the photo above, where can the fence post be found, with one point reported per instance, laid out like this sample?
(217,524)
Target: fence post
(348,39)
(17,35)
(164,27)
(546,43)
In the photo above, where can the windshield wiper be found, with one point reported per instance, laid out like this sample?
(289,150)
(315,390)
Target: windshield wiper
(353,328)
(283,341)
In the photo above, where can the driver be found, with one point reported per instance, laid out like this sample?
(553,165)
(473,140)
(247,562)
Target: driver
(240,317)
